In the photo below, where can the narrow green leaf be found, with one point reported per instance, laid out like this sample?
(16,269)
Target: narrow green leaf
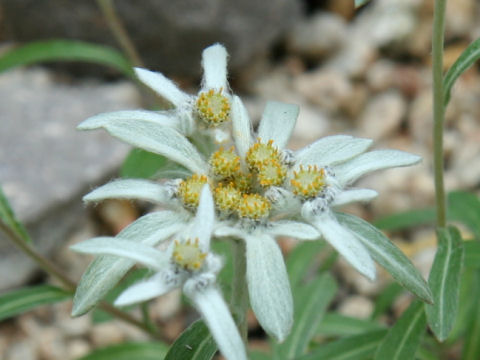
(404,337)
(465,208)
(310,305)
(19,301)
(386,299)
(466,59)
(444,281)
(334,324)
(258,355)
(299,261)
(407,219)
(129,351)
(471,349)
(195,343)
(358,347)
(388,255)
(426,354)
(142,164)
(471,254)
(65,50)
(7,216)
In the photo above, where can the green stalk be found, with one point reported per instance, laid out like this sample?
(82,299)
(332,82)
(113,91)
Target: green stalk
(118,29)
(438,109)
(239,301)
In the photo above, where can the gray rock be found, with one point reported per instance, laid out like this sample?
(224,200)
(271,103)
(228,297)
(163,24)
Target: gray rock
(45,163)
(169,35)
(318,36)
(383,115)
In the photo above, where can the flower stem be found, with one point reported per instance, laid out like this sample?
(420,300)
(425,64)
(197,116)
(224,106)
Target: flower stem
(68,284)
(239,294)
(118,30)
(438,108)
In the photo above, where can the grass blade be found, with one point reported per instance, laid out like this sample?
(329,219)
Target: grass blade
(19,301)
(407,219)
(65,50)
(466,59)
(404,337)
(444,281)
(129,351)
(310,306)
(465,208)
(334,324)
(358,347)
(195,343)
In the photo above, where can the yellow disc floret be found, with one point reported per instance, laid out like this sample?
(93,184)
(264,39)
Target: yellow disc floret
(253,206)
(243,182)
(271,173)
(189,190)
(188,255)
(227,197)
(213,107)
(225,163)
(308,182)
(259,153)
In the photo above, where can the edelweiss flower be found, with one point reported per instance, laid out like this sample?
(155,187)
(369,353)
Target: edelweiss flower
(317,175)
(211,106)
(187,262)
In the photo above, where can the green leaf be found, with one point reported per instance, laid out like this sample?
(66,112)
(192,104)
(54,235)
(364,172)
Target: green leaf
(19,301)
(388,255)
(468,57)
(129,351)
(407,219)
(471,254)
(334,324)
(358,347)
(404,337)
(310,305)
(65,50)
(359,3)
(471,349)
(465,208)
(444,281)
(7,216)
(299,261)
(468,296)
(142,164)
(386,298)
(258,355)
(194,343)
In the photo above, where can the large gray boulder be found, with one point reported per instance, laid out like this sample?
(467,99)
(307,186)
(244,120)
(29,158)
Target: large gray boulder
(170,35)
(46,165)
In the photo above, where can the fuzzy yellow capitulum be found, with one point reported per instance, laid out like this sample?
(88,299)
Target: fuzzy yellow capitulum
(227,197)
(253,206)
(260,153)
(308,182)
(224,163)
(189,190)
(213,108)
(188,255)
(271,173)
